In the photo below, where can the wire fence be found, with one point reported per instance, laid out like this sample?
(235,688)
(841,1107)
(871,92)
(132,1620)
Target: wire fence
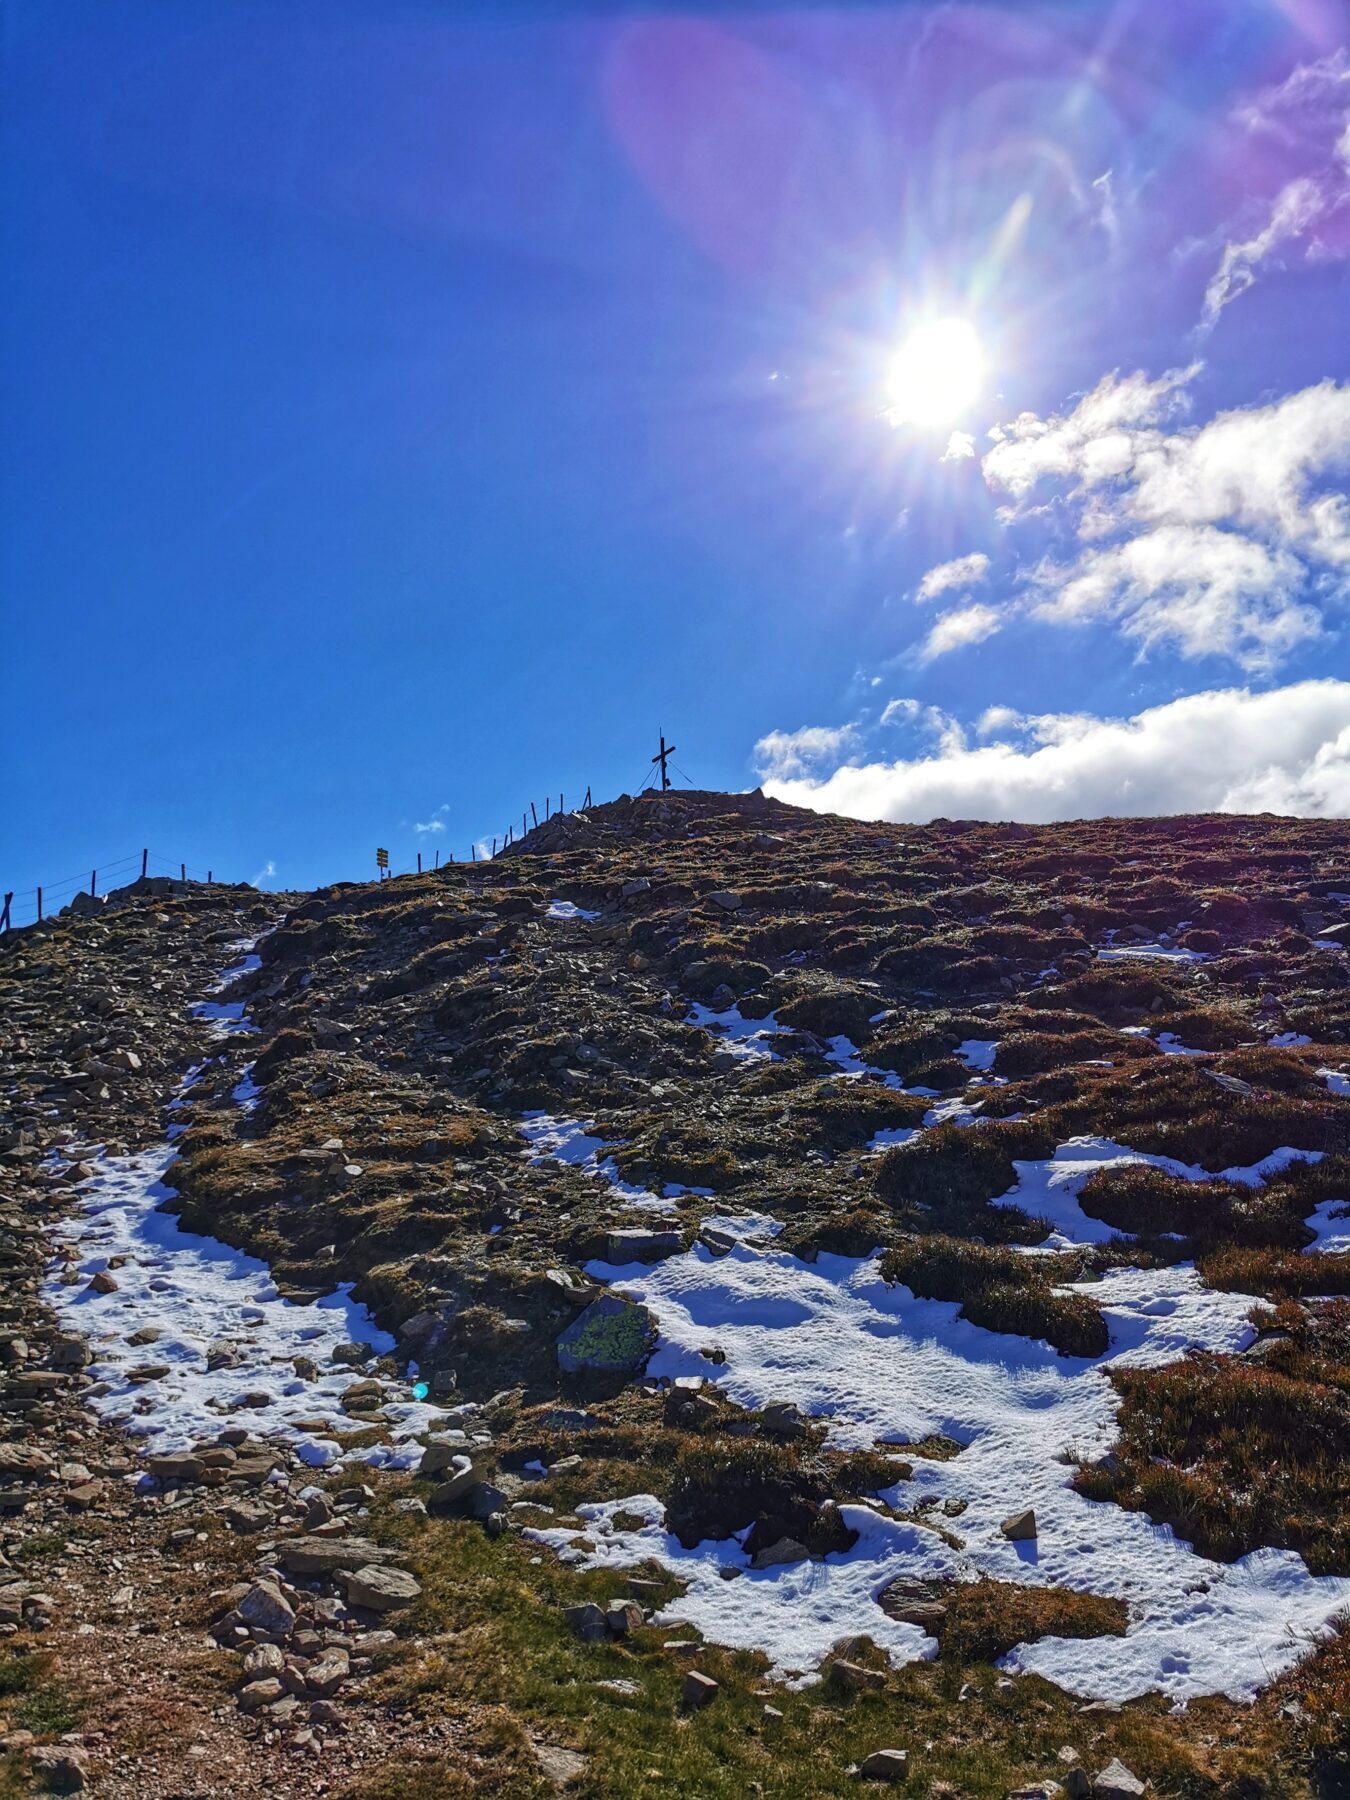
(31,906)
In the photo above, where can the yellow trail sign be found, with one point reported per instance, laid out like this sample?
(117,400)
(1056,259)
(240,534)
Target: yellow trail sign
(382,858)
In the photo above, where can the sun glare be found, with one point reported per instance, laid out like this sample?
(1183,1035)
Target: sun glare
(936,374)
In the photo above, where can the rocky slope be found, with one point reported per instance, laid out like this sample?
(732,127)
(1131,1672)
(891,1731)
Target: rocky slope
(585,1127)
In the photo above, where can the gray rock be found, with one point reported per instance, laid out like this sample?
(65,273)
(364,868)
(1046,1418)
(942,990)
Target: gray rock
(587,1622)
(1116,1782)
(885,1765)
(326,1674)
(1019,1526)
(264,1692)
(786,1550)
(266,1608)
(324,1556)
(636,1245)
(380,1589)
(62,1768)
(699,1690)
(729,902)
(612,1336)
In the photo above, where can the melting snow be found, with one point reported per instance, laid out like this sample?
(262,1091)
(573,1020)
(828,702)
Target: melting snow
(566,909)
(569,1141)
(879,1364)
(1155,952)
(200,1294)
(978,1053)
(1049,1189)
(1331,1222)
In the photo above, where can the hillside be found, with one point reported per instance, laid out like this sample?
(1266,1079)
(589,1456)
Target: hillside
(717,1300)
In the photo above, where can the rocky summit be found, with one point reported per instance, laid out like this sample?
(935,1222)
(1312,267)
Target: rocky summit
(716,1300)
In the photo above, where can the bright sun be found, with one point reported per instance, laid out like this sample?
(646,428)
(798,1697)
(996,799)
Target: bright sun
(935,375)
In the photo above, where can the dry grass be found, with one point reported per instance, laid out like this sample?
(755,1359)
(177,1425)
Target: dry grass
(1001,1290)
(1239,1451)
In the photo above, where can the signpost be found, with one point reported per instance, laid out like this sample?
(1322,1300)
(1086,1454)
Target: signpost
(382,860)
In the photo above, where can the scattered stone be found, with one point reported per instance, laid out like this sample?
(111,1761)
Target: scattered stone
(699,1690)
(63,1768)
(885,1765)
(855,1677)
(786,1550)
(612,1336)
(1019,1526)
(380,1589)
(267,1608)
(1116,1782)
(588,1622)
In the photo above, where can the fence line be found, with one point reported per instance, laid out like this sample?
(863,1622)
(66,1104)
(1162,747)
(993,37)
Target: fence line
(47,899)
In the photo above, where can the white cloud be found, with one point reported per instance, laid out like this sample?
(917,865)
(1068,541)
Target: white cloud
(267,871)
(956,630)
(928,720)
(1090,443)
(783,754)
(1207,591)
(1214,538)
(963,571)
(435,823)
(1308,113)
(995,721)
(1224,750)
(960,445)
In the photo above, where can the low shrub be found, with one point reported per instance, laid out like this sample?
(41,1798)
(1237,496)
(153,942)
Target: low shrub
(1279,1274)
(953,1172)
(1001,1291)
(721,1485)
(1239,1451)
(987,1619)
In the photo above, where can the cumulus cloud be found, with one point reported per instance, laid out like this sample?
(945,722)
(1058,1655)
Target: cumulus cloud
(925,719)
(960,445)
(1213,538)
(783,754)
(995,721)
(963,571)
(1224,750)
(1209,592)
(436,823)
(957,630)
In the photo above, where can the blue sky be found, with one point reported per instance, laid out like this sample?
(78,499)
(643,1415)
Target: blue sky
(413,407)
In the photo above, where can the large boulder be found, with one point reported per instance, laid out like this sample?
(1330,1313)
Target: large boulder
(613,1336)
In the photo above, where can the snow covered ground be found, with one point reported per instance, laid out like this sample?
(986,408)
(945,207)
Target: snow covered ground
(880,1365)
(556,1139)
(202,1303)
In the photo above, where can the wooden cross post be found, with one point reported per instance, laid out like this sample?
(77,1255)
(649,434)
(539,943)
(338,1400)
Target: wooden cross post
(662,756)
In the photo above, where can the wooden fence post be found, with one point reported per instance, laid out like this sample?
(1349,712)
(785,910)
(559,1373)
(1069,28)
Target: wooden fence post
(182,871)
(145,862)
(4,916)
(561,807)
(208,878)
(93,884)
(419,862)
(437,863)
(39,906)
(533,814)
